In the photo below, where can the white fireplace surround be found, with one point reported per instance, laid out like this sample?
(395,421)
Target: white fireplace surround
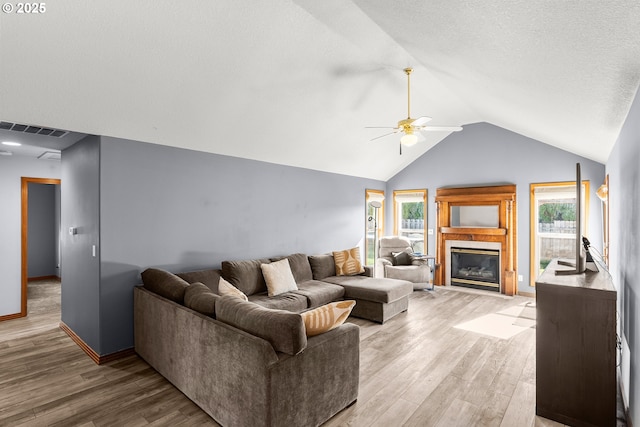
(467,244)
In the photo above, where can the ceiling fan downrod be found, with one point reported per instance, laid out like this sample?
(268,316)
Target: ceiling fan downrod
(408,71)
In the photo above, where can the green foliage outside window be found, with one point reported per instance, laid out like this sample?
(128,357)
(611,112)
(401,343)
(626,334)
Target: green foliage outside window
(413,210)
(549,212)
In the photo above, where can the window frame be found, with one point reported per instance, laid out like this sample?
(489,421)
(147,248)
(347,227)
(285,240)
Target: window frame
(398,194)
(533,219)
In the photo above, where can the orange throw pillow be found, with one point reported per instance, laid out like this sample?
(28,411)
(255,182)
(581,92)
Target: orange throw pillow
(325,318)
(348,262)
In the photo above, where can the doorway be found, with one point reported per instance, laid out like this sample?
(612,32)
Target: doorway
(43,272)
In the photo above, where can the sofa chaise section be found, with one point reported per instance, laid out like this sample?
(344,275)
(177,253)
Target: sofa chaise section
(377,299)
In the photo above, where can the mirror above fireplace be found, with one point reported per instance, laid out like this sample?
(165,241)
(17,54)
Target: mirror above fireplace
(475,216)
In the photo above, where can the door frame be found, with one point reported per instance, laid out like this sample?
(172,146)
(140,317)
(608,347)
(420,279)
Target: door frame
(25,181)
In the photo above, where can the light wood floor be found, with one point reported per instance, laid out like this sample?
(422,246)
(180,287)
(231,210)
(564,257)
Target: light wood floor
(418,369)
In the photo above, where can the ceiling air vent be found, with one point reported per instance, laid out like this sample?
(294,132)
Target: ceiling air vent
(16,127)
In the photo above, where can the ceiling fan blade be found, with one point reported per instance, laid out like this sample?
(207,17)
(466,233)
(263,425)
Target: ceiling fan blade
(441,128)
(420,121)
(382,136)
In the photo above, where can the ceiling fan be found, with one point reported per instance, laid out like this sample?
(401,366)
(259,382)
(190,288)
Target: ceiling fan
(410,127)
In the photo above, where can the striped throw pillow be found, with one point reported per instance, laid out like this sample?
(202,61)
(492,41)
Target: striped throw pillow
(348,262)
(327,317)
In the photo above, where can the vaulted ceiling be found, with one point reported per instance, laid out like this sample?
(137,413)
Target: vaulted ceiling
(297,82)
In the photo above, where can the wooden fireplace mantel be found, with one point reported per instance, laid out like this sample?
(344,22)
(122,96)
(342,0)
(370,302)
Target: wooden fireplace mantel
(503,196)
(474,231)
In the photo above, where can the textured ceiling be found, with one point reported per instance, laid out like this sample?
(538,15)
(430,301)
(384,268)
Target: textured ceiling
(296,82)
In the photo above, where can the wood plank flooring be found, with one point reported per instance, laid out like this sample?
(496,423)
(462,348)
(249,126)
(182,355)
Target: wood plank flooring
(418,369)
(47,380)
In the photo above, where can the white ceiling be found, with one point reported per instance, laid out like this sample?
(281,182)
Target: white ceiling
(296,82)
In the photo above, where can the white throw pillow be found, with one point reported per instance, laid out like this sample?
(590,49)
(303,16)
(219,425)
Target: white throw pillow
(226,288)
(278,277)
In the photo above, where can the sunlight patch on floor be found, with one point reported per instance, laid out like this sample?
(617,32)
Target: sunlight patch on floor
(503,324)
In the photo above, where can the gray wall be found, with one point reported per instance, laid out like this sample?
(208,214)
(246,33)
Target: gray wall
(80,197)
(483,154)
(43,231)
(182,210)
(11,170)
(624,192)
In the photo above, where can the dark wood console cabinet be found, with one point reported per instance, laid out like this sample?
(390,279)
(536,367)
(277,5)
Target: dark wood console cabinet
(576,348)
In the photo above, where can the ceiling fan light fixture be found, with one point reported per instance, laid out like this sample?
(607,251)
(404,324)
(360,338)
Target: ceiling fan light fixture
(409,139)
(412,128)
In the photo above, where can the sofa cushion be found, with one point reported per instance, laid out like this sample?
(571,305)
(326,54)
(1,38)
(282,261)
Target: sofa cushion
(300,266)
(245,275)
(278,277)
(200,298)
(209,277)
(348,262)
(165,284)
(319,293)
(226,288)
(283,329)
(325,318)
(372,289)
(322,266)
(289,301)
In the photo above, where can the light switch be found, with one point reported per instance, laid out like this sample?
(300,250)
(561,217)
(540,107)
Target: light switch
(73,230)
(430,231)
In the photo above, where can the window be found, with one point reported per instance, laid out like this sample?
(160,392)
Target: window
(374,220)
(410,217)
(553,223)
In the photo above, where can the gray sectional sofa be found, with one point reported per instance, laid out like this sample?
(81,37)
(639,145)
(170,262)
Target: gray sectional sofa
(376,299)
(250,362)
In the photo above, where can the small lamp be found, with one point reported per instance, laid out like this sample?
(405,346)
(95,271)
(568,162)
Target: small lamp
(602,192)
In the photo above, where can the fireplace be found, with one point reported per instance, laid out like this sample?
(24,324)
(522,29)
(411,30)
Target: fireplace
(475,268)
(478,218)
